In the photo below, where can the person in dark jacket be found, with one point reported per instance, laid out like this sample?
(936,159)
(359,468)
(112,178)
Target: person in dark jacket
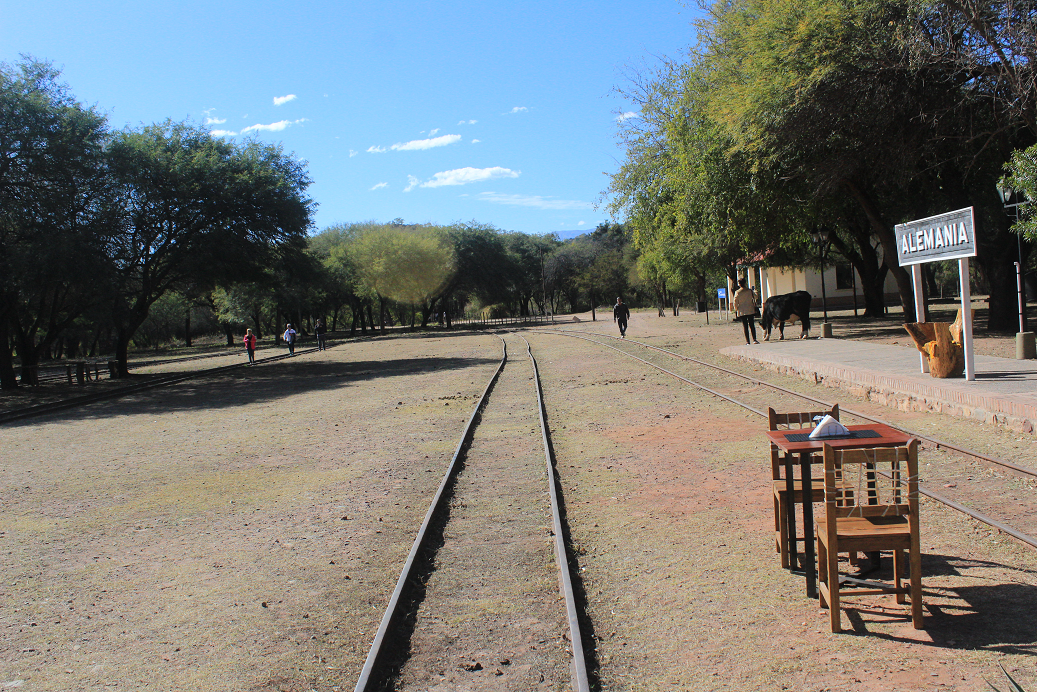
(620,314)
(319,331)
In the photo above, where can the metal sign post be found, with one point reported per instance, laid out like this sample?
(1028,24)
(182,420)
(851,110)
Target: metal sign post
(942,237)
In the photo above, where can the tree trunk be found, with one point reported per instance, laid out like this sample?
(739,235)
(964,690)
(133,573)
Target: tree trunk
(426,312)
(8,380)
(1003,313)
(123,335)
(187,328)
(122,348)
(229,331)
(888,241)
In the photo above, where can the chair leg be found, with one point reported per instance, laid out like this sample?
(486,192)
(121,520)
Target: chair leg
(898,572)
(783,530)
(822,573)
(916,587)
(832,560)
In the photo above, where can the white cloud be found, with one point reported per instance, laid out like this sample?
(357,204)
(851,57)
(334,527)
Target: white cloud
(380,186)
(627,116)
(412,183)
(517,109)
(281,100)
(581,223)
(215,121)
(464,176)
(375,149)
(222,133)
(535,201)
(476,141)
(467,122)
(272,127)
(352,153)
(420,144)
(433,132)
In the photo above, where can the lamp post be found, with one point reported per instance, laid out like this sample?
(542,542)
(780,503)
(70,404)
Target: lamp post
(1024,340)
(822,238)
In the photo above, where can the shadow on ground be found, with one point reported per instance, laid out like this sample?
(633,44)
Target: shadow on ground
(263,382)
(995,616)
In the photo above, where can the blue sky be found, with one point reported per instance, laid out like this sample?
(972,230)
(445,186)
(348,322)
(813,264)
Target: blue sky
(493,111)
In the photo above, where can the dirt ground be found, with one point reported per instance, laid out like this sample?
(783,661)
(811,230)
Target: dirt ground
(244,532)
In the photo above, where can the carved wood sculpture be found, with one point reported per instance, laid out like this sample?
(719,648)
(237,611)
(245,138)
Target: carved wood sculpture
(942,344)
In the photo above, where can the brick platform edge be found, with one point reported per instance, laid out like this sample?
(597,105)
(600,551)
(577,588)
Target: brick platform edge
(905,393)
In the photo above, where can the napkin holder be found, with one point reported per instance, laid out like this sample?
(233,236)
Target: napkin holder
(828,427)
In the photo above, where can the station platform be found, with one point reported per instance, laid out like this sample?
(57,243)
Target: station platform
(1003,393)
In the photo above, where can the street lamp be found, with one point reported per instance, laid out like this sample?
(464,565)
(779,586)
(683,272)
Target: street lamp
(1024,341)
(822,238)
(1013,199)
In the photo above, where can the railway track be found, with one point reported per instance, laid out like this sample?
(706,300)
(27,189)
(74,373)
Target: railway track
(1019,479)
(480,586)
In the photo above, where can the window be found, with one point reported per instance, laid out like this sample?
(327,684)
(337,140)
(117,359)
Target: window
(844,276)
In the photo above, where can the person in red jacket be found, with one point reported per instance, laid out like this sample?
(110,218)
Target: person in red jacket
(250,346)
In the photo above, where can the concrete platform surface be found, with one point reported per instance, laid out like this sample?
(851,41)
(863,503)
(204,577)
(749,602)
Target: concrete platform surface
(1004,391)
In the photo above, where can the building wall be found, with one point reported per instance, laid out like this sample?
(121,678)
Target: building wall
(775,281)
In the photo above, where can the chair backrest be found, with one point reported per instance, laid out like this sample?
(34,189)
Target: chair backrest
(792,421)
(872,482)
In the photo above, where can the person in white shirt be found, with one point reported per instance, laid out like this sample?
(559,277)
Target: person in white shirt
(289,338)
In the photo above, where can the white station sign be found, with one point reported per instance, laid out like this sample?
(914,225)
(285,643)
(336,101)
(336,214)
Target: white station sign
(943,237)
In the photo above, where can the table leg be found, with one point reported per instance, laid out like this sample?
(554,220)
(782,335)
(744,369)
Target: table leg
(790,511)
(810,568)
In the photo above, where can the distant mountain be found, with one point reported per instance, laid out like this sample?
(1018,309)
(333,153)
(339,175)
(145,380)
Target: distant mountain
(566,235)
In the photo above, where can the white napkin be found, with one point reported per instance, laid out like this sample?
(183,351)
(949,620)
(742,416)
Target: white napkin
(829,427)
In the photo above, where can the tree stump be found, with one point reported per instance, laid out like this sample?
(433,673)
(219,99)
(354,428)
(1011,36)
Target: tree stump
(941,342)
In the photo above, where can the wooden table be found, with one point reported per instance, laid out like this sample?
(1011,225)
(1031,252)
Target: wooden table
(884,436)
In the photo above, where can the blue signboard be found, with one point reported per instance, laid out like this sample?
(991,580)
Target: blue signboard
(722,293)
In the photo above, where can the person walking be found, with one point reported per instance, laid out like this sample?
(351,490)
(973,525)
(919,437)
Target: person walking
(289,338)
(620,315)
(250,346)
(746,310)
(319,330)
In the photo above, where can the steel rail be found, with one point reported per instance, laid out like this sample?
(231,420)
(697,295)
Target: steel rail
(369,674)
(160,381)
(979,516)
(581,681)
(932,440)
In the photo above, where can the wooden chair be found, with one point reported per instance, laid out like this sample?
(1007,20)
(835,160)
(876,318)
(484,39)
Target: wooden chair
(791,421)
(881,517)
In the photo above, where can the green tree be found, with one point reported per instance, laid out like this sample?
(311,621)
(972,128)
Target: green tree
(906,108)
(193,207)
(408,264)
(53,212)
(1022,170)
